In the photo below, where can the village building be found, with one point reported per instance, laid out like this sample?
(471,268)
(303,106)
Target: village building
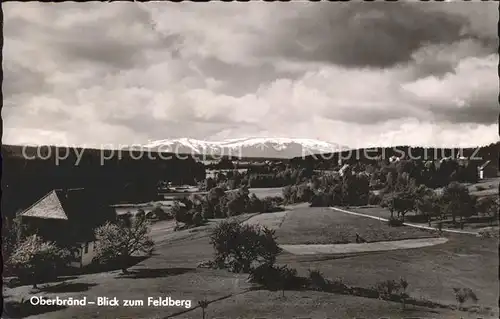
(488,170)
(343,169)
(68,218)
(394,159)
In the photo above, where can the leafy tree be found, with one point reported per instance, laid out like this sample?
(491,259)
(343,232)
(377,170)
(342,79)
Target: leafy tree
(140,213)
(457,201)
(160,213)
(288,194)
(236,205)
(207,210)
(238,246)
(255,204)
(118,242)
(304,193)
(487,206)
(197,219)
(390,181)
(203,305)
(210,183)
(181,213)
(35,259)
(400,202)
(428,204)
(12,232)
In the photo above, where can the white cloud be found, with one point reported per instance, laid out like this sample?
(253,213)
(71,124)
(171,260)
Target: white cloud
(116,73)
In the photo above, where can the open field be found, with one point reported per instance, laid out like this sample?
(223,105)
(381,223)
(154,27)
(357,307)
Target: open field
(309,225)
(169,199)
(486,187)
(264,192)
(363,247)
(432,272)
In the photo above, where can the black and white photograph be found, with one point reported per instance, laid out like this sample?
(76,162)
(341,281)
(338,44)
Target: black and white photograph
(250,160)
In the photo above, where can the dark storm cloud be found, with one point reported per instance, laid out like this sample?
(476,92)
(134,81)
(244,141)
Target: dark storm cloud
(369,34)
(480,112)
(86,39)
(252,77)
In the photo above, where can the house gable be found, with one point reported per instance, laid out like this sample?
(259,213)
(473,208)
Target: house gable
(67,216)
(48,207)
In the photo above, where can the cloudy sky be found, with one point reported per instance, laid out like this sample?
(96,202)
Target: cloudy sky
(357,74)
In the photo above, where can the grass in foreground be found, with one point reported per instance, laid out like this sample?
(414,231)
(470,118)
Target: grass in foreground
(316,305)
(432,272)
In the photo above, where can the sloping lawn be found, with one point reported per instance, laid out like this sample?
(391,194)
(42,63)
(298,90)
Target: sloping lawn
(432,272)
(315,305)
(319,225)
(172,272)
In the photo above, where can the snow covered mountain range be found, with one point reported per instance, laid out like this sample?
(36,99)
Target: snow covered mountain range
(247,147)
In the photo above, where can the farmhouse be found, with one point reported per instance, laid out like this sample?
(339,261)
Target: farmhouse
(68,218)
(488,170)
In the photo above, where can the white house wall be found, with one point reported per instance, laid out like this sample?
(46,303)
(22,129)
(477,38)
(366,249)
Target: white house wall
(86,257)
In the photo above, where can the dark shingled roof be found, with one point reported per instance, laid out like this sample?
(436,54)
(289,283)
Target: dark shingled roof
(48,207)
(82,210)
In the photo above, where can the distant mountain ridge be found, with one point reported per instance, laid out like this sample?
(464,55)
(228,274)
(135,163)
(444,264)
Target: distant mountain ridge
(259,147)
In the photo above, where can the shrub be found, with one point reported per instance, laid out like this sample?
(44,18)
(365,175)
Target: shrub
(161,214)
(197,219)
(394,222)
(271,204)
(265,274)
(34,260)
(238,246)
(489,232)
(387,288)
(317,281)
(374,199)
(140,213)
(275,277)
(480,188)
(403,284)
(180,213)
(203,305)
(487,206)
(464,294)
(338,285)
